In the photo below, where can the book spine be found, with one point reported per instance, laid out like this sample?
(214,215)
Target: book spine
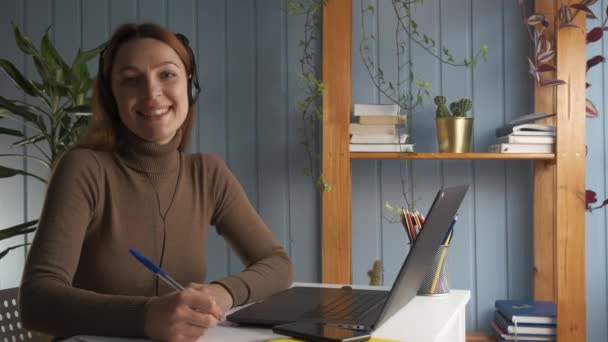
(375,109)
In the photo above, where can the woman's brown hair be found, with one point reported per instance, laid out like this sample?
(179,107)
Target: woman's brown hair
(106,131)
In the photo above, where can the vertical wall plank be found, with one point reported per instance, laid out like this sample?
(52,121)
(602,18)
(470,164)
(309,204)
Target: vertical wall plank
(426,176)
(66,28)
(154,11)
(489,186)
(271,105)
(304,224)
(122,11)
(12,196)
(211,46)
(518,100)
(455,31)
(241,100)
(393,240)
(366,199)
(596,243)
(95,28)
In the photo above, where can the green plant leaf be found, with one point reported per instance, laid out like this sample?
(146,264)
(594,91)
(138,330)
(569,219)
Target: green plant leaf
(13,132)
(50,54)
(18,78)
(6,172)
(5,252)
(23,42)
(22,111)
(82,57)
(29,140)
(80,109)
(19,229)
(42,161)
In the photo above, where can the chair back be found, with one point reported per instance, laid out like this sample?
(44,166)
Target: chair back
(11,329)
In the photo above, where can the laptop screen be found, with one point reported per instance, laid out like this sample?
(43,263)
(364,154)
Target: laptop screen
(420,258)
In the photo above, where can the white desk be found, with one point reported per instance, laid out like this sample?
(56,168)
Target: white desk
(424,319)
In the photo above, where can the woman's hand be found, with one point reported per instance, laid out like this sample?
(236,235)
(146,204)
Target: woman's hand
(219,293)
(182,316)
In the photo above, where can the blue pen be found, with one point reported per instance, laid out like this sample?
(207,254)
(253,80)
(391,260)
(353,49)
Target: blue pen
(449,232)
(156,269)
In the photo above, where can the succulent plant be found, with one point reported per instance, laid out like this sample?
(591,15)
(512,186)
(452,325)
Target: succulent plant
(457,108)
(442,111)
(461,107)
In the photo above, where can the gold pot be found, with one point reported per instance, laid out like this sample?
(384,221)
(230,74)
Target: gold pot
(454,134)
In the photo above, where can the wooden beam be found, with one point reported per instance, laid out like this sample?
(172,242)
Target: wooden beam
(570,182)
(480,337)
(336,238)
(544,184)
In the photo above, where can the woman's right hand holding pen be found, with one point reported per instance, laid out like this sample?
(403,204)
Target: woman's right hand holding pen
(181,315)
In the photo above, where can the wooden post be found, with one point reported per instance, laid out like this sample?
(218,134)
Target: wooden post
(559,189)
(544,183)
(570,182)
(336,237)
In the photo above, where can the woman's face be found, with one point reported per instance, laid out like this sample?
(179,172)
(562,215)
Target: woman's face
(149,83)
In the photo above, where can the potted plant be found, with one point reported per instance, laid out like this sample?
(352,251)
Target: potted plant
(55,116)
(454,128)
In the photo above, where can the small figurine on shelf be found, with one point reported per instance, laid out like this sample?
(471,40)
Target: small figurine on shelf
(375,274)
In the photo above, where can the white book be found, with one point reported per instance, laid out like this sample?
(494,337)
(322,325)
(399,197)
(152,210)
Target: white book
(375,109)
(526,129)
(526,139)
(381,147)
(521,148)
(378,139)
(360,129)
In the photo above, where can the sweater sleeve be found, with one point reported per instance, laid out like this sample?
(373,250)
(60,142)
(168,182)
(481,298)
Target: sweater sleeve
(268,268)
(48,301)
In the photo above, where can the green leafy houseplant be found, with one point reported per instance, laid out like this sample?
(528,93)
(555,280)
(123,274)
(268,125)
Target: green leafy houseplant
(55,114)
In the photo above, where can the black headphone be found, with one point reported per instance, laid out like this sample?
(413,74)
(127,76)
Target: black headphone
(107,98)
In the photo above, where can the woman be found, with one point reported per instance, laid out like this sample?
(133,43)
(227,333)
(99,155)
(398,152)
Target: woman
(129,185)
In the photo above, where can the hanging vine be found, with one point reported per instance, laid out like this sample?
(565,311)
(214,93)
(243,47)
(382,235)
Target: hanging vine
(310,106)
(407,90)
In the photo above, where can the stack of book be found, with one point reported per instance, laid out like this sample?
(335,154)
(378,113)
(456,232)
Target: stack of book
(519,320)
(378,129)
(522,136)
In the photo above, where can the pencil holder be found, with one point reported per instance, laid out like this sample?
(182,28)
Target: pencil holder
(436,280)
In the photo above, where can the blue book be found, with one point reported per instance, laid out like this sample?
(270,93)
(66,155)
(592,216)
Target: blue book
(523,328)
(527,311)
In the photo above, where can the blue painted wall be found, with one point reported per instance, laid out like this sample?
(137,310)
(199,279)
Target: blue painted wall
(248,55)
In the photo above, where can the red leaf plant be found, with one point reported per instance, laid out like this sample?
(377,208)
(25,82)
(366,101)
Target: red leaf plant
(541,64)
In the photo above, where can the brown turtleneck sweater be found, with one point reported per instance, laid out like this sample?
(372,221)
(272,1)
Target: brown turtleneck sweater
(79,277)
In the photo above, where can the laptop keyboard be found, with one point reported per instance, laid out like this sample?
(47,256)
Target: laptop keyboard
(347,306)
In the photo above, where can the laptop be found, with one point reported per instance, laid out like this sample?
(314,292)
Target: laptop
(357,308)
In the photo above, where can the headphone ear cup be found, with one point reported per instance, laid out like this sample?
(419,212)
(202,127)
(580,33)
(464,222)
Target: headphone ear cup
(107,99)
(191,92)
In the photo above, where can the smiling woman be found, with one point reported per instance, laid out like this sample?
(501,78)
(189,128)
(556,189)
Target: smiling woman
(127,185)
(151,91)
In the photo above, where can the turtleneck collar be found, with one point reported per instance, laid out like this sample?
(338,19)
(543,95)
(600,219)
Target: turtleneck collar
(150,157)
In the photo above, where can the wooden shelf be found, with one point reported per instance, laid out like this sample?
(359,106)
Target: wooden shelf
(559,178)
(441,156)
